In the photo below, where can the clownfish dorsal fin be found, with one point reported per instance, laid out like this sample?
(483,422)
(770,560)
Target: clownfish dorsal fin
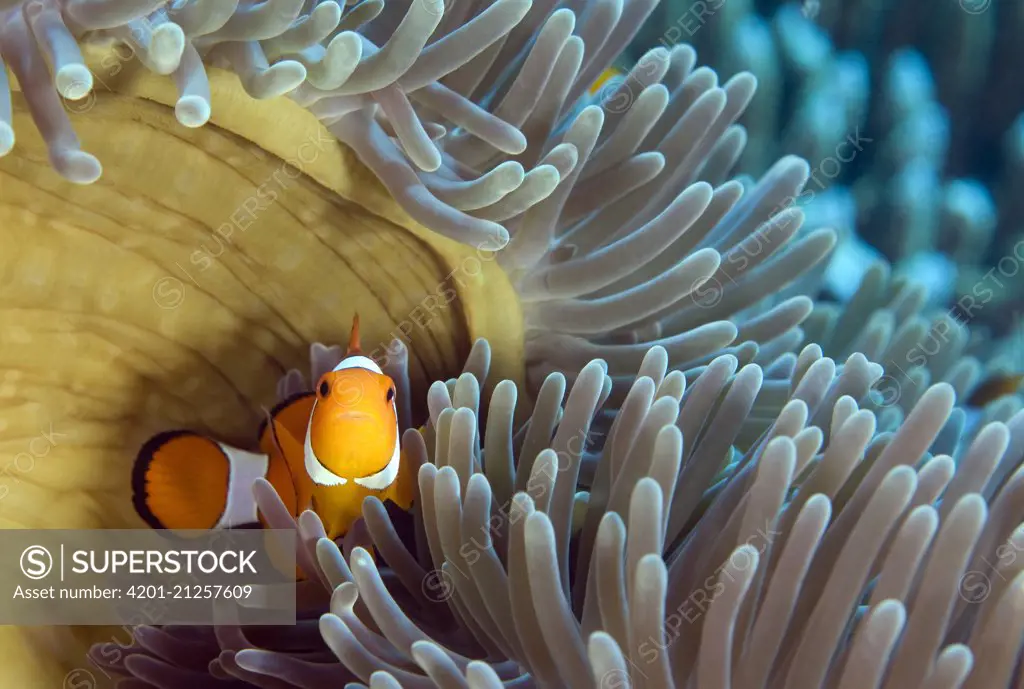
(353,340)
(354,357)
(272,425)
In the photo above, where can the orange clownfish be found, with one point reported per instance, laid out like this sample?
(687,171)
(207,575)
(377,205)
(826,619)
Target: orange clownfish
(996,386)
(349,450)
(604,78)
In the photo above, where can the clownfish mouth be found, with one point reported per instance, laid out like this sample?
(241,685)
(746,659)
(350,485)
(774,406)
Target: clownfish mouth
(323,476)
(386,476)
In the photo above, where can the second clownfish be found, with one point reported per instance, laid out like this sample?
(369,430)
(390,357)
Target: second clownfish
(325,450)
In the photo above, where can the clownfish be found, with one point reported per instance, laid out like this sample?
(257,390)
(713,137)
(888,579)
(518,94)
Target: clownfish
(606,75)
(994,387)
(325,450)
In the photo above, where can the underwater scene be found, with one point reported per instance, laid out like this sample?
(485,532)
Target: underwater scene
(586,344)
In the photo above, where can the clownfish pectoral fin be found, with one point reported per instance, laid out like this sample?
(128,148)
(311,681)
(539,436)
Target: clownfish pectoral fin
(290,419)
(403,491)
(287,468)
(182,480)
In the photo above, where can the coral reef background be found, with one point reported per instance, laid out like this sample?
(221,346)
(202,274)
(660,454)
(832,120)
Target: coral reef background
(936,89)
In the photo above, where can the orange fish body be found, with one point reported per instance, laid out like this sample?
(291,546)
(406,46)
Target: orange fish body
(604,78)
(325,450)
(996,386)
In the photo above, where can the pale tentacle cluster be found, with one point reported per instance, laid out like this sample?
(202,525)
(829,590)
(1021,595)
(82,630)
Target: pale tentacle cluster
(471,114)
(717,269)
(366,70)
(40,42)
(627,232)
(888,321)
(825,555)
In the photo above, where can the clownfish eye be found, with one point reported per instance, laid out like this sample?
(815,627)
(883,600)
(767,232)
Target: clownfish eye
(391,394)
(324,388)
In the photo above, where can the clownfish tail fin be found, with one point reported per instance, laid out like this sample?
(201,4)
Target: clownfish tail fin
(353,340)
(185,481)
(180,481)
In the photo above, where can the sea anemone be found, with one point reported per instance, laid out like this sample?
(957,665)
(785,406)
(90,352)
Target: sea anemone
(823,554)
